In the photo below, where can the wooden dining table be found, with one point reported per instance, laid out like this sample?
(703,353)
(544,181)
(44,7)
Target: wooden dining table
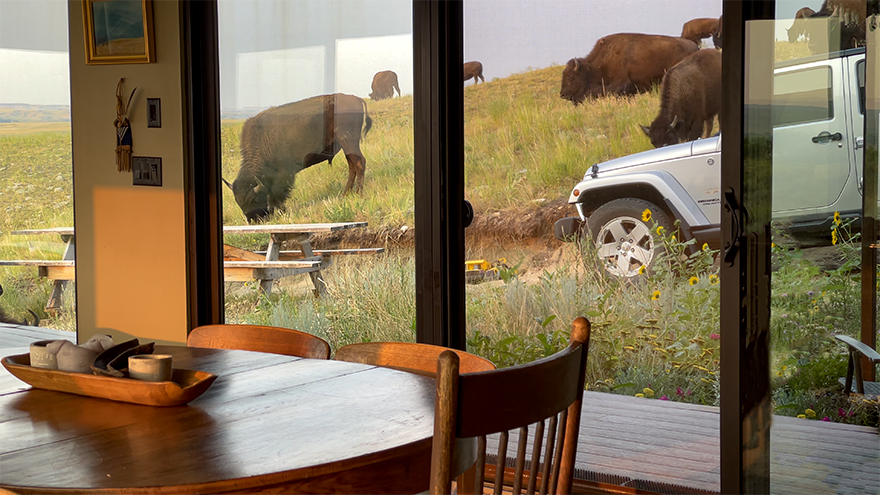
(268,424)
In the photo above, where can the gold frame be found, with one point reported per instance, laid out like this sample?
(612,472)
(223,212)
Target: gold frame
(93,57)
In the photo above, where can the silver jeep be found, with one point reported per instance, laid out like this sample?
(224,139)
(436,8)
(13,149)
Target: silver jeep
(818,114)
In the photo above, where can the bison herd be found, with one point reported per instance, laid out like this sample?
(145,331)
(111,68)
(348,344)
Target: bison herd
(629,63)
(281,141)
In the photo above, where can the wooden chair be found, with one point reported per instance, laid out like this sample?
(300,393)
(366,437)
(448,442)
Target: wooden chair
(414,358)
(259,338)
(478,404)
(856,349)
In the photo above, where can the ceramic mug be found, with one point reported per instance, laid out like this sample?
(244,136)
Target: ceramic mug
(150,367)
(41,357)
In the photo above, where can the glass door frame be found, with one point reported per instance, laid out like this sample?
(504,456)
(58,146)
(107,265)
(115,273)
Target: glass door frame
(439,168)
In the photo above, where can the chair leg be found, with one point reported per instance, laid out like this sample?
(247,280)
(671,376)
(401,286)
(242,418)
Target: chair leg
(466,481)
(849,373)
(856,362)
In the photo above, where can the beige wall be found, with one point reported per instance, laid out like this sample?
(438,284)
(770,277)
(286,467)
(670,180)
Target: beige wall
(131,277)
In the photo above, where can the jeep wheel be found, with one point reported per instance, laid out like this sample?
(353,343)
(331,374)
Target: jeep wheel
(623,240)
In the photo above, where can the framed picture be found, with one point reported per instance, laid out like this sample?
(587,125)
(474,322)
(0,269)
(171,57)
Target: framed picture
(118,31)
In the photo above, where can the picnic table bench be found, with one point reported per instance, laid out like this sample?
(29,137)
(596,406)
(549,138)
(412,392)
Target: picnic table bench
(239,265)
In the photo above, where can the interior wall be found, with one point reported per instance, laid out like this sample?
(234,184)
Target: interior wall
(130,240)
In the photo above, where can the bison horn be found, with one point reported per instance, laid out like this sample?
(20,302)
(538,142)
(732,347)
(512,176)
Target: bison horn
(646,129)
(260,186)
(226,182)
(675,121)
(576,65)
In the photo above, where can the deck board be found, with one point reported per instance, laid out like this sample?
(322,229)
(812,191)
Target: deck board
(16,336)
(676,443)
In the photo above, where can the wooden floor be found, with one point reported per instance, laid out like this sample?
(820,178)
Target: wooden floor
(632,444)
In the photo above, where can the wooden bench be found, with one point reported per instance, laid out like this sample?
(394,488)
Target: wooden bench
(856,349)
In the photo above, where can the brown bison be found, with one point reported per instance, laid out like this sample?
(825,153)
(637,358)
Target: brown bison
(799,27)
(697,29)
(473,70)
(716,36)
(690,99)
(278,143)
(384,84)
(624,63)
(847,25)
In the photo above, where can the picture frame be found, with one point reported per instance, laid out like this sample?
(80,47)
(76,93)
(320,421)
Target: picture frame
(118,32)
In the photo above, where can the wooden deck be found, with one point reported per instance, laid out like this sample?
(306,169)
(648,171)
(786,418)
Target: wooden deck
(634,445)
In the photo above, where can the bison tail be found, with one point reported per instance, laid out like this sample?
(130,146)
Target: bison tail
(368,122)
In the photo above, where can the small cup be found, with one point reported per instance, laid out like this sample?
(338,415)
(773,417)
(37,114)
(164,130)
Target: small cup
(150,367)
(41,357)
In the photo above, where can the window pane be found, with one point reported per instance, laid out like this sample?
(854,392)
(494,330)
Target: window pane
(644,268)
(36,186)
(802,96)
(316,101)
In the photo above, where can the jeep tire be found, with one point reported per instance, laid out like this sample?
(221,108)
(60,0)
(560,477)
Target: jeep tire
(624,242)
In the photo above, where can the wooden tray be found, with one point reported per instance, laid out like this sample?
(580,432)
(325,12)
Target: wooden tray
(185,385)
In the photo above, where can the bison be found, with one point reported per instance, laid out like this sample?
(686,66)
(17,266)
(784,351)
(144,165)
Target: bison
(624,63)
(473,70)
(690,99)
(697,29)
(716,36)
(279,142)
(848,25)
(384,84)
(799,27)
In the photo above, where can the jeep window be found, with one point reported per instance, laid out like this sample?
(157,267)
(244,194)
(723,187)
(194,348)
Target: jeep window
(860,76)
(802,96)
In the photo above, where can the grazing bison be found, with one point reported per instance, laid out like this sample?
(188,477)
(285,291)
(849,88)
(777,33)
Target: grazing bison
(473,70)
(716,36)
(849,25)
(624,63)
(384,84)
(799,26)
(279,142)
(697,29)
(690,99)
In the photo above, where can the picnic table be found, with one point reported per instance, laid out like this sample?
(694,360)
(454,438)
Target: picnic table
(239,265)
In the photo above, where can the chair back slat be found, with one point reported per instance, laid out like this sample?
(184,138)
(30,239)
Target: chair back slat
(557,455)
(259,338)
(548,455)
(508,413)
(480,465)
(491,402)
(501,462)
(536,457)
(520,459)
(405,356)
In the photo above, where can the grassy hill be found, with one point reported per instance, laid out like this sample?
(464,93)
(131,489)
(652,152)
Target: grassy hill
(523,145)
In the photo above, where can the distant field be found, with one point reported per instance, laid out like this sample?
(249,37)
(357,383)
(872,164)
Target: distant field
(25,128)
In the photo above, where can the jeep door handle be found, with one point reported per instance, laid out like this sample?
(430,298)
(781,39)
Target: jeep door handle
(825,136)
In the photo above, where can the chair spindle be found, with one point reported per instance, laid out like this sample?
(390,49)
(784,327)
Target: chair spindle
(557,457)
(536,457)
(501,462)
(548,455)
(520,459)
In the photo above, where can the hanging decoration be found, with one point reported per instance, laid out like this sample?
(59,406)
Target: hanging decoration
(123,129)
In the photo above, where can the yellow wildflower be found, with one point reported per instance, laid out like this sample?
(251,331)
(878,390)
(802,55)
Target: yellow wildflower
(648,392)
(833,236)
(694,280)
(653,336)
(705,247)
(836,218)
(642,270)
(773,244)
(697,366)
(659,230)
(640,395)
(810,413)
(655,295)
(802,416)
(646,215)
(706,380)
(713,279)
(629,347)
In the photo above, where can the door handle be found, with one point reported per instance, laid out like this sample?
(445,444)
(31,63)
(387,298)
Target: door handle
(732,247)
(860,142)
(825,136)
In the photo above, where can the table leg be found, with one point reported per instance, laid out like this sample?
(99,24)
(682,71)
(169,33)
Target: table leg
(271,255)
(55,302)
(306,247)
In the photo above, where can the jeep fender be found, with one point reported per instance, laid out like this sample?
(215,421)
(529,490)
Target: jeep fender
(658,187)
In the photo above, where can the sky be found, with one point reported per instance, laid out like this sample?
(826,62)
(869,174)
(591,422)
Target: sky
(277,51)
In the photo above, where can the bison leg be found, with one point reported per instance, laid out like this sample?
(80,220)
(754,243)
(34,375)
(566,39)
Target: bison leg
(708,126)
(357,166)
